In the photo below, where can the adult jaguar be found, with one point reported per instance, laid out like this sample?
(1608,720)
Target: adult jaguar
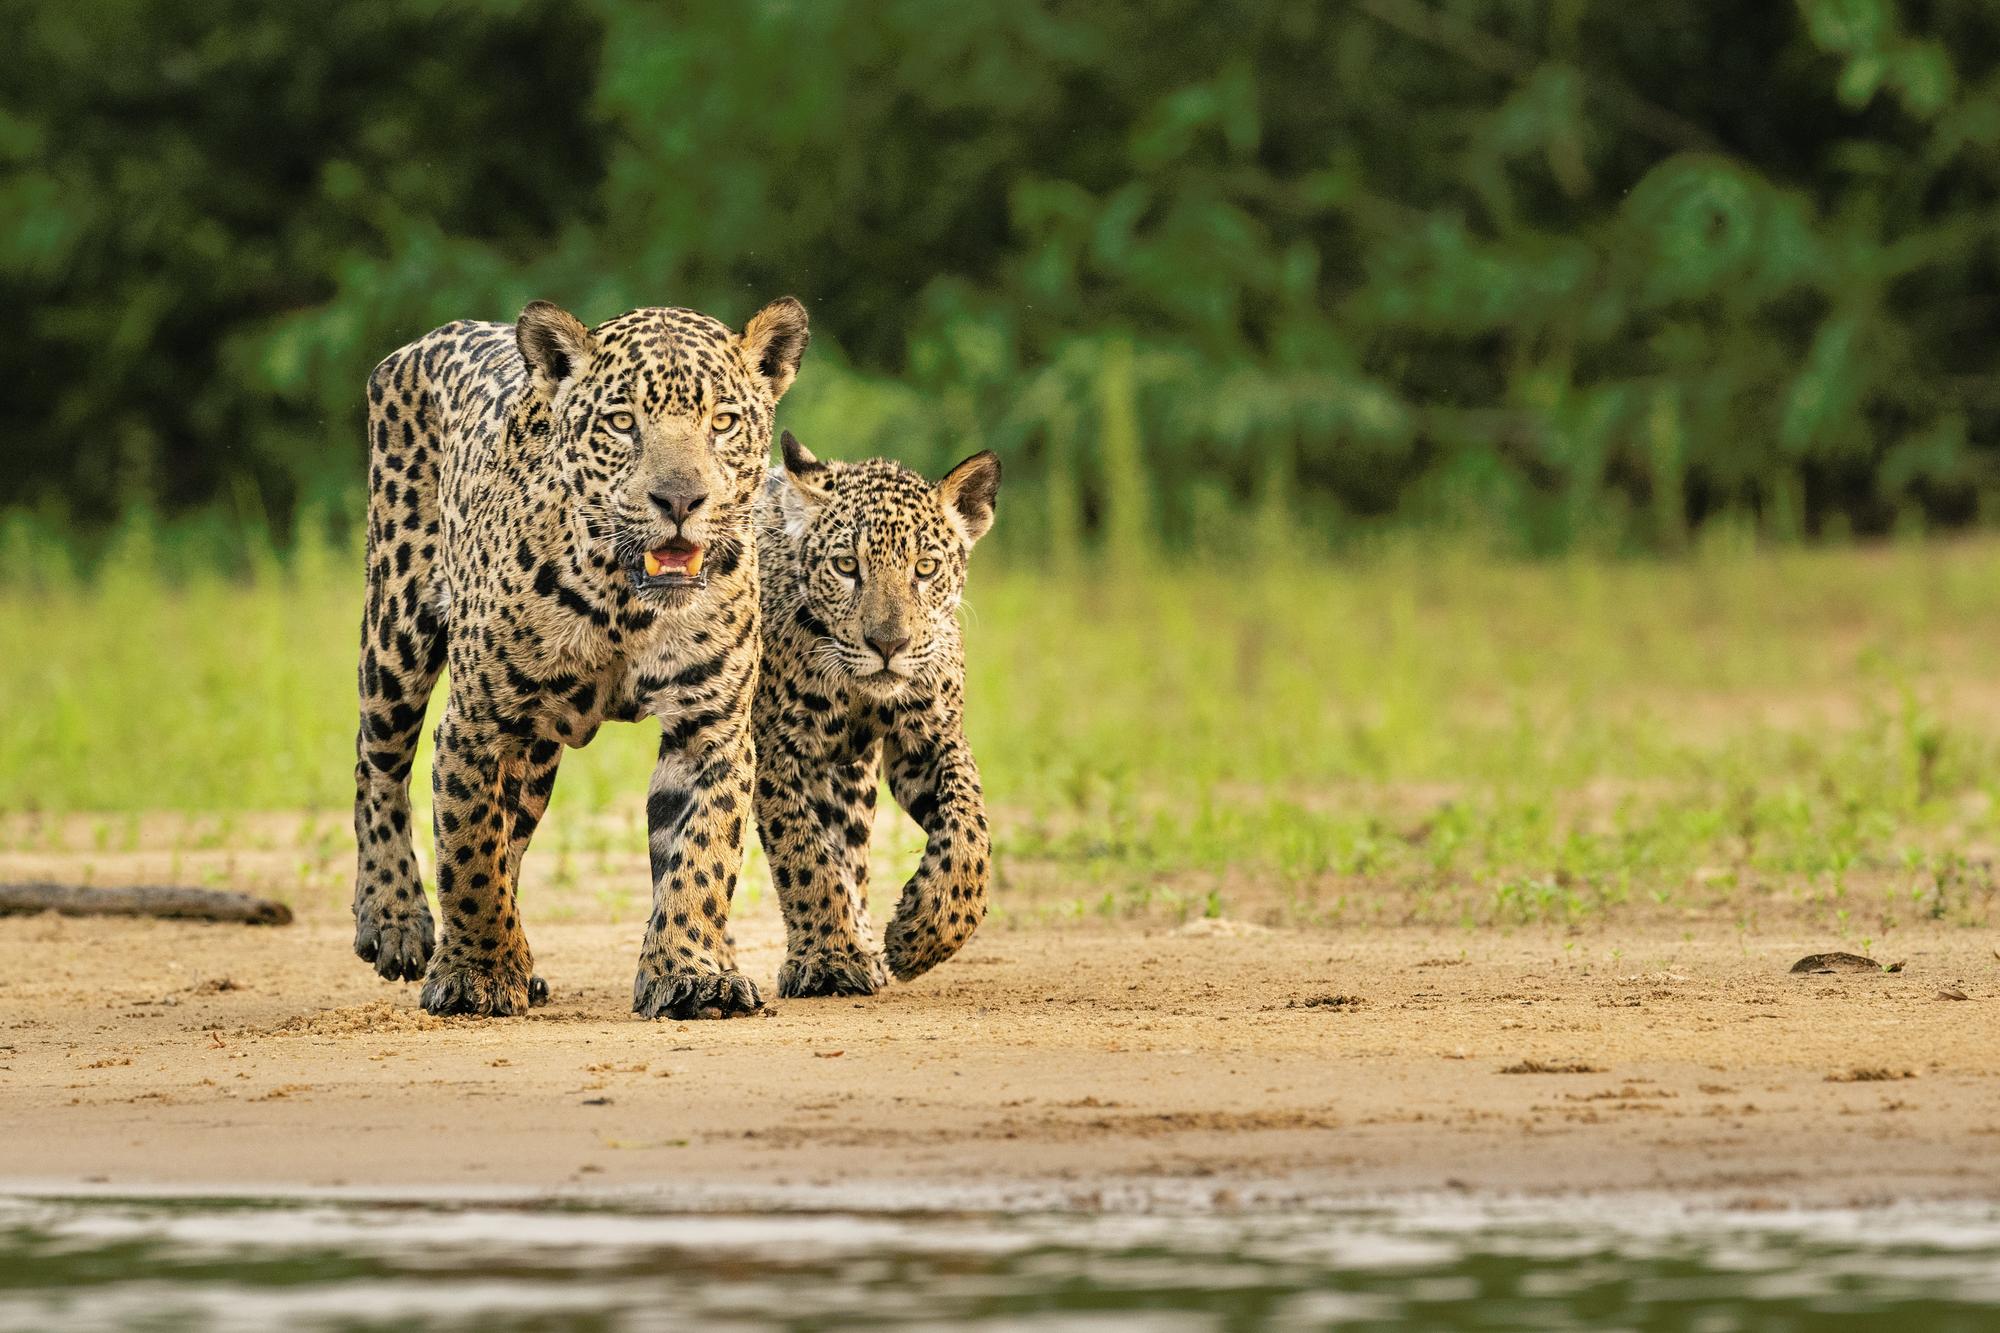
(563,516)
(863,565)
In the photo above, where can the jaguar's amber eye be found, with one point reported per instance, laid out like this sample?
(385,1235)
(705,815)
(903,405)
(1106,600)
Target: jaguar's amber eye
(927,568)
(846,566)
(723,422)
(622,422)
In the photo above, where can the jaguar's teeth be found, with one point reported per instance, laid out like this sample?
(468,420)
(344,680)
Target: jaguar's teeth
(653,566)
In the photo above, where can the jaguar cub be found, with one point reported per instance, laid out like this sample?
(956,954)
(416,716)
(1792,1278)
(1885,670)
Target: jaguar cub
(862,566)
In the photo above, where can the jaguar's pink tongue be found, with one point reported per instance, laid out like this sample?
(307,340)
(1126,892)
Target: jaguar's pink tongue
(680,558)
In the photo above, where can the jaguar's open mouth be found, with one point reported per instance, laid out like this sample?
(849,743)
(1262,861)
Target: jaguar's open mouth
(674,566)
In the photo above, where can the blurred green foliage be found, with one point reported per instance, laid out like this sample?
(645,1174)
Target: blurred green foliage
(1735,736)
(1570,272)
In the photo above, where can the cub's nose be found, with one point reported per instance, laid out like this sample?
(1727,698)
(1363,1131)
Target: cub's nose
(888,644)
(677,505)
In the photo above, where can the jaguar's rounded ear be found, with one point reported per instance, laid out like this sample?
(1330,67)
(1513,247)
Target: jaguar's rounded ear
(811,485)
(811,479)
(556,346)
(773,342)
(969,492)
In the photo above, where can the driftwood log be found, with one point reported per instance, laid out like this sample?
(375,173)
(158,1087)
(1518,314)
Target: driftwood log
(161,900)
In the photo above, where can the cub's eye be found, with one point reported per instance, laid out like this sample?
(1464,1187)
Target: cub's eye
(622,421)
(926,568)
(723,422)
(846,566)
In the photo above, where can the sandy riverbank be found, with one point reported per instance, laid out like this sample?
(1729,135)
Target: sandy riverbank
(1073,1060)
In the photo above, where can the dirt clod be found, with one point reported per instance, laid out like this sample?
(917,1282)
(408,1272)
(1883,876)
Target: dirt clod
(1551,1067)
(1841,962)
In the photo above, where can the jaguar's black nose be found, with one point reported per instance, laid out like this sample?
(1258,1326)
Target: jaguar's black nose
(677,505)
(888,644)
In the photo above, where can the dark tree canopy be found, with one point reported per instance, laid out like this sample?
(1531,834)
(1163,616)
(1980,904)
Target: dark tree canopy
(1577,270)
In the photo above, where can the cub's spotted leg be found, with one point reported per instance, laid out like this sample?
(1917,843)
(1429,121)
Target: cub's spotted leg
(814,822)
(854,789)
(937,783)
(530,800)
(482,966)
(695,810)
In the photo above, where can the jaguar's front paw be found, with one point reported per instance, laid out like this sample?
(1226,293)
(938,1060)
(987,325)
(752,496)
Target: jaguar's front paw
(497,987)
(913,946)
(832,971)
(398,941)
(684,992)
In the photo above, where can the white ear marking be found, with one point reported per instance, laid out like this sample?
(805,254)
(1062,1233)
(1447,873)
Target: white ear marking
(796,520)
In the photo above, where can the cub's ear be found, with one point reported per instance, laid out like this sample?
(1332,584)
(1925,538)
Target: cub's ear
(812,480)
(969,491)
(773,341)
(555,345)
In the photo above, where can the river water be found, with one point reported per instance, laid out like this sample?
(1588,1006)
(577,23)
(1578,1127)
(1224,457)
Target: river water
(1444,1262)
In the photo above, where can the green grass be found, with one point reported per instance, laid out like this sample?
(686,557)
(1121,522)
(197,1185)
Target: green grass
(1415,734)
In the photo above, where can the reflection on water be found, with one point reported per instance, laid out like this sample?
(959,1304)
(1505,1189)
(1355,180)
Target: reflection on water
(1635,1262)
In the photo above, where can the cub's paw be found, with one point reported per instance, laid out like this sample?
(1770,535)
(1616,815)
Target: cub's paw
(914,949)
(832,971)
(399,943)
(685,993)
(485,987)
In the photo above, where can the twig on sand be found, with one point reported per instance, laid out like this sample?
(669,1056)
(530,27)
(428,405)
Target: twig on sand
(160,900)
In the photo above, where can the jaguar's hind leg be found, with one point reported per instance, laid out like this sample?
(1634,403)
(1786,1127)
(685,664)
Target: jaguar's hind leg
(482,965)
(530,798)
(402,652)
